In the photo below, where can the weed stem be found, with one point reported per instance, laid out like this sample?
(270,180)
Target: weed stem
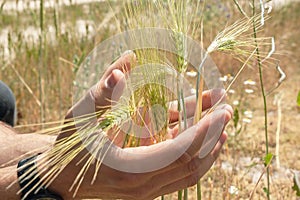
(263,95)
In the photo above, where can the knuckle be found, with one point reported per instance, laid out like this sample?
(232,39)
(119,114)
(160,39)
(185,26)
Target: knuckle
(183,159)
(128,180)
(193,165)
(132,180)
(101,85)
(95,91)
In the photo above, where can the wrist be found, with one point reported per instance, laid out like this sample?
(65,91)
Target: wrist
(30,181)
(62,181)
(43,168)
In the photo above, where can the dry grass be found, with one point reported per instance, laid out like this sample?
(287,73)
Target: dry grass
(243,151)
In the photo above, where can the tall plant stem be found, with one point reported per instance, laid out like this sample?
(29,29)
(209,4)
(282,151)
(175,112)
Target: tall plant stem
(263,95)
(185,194)
(41,68)
(196,119)
(198,112)
(182,113)
(199,197)
(179,194)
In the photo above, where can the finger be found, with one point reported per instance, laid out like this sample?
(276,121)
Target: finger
(210,126)
(189,174)
(207,135)
(108,89)
(190,104)
(173,129)
(209,98)
(124,63)
(111,85)
(170,153)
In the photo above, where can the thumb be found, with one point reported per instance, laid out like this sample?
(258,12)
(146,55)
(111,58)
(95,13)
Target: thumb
(107,90)
(111,85)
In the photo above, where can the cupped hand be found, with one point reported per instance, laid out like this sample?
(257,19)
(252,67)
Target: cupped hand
(125,174)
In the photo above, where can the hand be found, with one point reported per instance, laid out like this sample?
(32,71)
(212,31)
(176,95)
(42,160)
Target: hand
(148,136)
(183,172)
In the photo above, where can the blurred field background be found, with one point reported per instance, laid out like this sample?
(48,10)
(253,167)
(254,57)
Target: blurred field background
(42,49)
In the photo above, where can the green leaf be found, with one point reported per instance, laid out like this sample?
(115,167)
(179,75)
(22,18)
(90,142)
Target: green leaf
(298,99)
(236,117)
(268,158)
(266,191)
(296,186)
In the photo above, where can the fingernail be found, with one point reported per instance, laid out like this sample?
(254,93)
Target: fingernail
(110,82)
(223,138)
(219,91)
(127,52)
(227,108)
(230,110)
(217,94)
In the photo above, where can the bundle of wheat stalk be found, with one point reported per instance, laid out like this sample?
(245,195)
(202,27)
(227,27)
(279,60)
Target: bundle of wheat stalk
(146,86)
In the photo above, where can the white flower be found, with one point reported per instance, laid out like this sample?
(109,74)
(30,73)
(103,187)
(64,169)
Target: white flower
(191,73)
(223,79)
(231,91)
(235,102)
(248,113)
(246,120)
(249,82)
(249,91)
(233,190)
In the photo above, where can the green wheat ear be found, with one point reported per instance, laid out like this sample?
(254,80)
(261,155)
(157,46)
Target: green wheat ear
(237,39)
(177,16)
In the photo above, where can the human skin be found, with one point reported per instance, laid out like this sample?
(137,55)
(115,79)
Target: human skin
(114,184)
(15,145)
